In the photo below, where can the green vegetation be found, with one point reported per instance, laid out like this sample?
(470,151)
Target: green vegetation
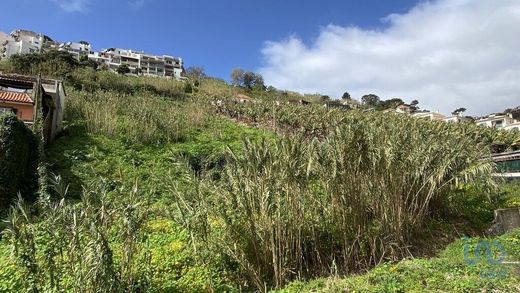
(312,205)
(18,160)
(155,186)
(449,272)
(52,63)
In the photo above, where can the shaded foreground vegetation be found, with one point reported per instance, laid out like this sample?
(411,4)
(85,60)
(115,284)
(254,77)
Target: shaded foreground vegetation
(154,189)
(18,160)
(448,272)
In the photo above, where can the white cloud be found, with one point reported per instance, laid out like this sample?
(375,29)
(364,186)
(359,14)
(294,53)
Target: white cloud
(446,53)
(72,5)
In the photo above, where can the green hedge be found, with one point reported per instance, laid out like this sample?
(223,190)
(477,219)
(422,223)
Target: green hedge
(18,160)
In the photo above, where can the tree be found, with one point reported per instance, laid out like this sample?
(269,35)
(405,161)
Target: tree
(138,71)
(390,103)
(370,100)
(413,105)
(458,111)
(324,98)
(271,89)
(346,96)
(87,63)
(247,79)
(258,82)
(195,72)
(53,62)
(123,69)
(237,77)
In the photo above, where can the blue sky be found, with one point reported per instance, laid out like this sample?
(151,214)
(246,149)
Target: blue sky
(217,35)
(445,53)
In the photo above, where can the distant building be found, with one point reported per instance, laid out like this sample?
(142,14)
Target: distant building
(429,115)
(77,50)
(139,62)
(353,104)
(458,119)
(496,121)
(508,164)
(23,42)
(513,126)
(403,109)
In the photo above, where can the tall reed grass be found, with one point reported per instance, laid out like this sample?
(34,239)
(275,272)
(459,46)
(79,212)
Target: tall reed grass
(71,248)
(300,208)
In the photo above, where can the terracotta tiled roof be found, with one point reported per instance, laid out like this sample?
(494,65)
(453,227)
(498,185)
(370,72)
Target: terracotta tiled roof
(15,97)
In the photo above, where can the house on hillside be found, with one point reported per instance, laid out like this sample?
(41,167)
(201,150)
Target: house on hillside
(403,109)
(498,121)
(458,119)
(429,115)
(508,164)
(28,97)
(353,104)
(513,126)
(77,50)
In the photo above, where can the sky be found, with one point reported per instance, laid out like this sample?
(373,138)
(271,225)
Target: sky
(445,53)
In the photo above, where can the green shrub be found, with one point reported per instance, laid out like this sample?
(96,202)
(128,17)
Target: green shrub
(18,160)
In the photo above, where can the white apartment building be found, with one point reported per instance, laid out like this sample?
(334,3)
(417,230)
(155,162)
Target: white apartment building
(513,126)
(429,115)
(23,42)
(77,50)
(457,119)
(496,121)
(139,62)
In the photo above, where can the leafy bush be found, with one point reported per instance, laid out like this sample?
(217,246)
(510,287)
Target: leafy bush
(18,160)
(51,63)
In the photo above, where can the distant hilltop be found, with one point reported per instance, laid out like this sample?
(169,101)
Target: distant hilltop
(138,62)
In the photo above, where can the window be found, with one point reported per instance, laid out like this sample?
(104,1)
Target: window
(7,110)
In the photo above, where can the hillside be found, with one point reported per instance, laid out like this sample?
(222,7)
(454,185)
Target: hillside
(164,186)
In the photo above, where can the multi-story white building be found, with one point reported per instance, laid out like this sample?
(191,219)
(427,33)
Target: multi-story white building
(458,119)
(23,42)
(139,62)
(429,115)
(513,126)
(496,121)
(77,50)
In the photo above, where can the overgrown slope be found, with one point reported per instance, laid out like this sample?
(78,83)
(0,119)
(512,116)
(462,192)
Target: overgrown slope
(156,186)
